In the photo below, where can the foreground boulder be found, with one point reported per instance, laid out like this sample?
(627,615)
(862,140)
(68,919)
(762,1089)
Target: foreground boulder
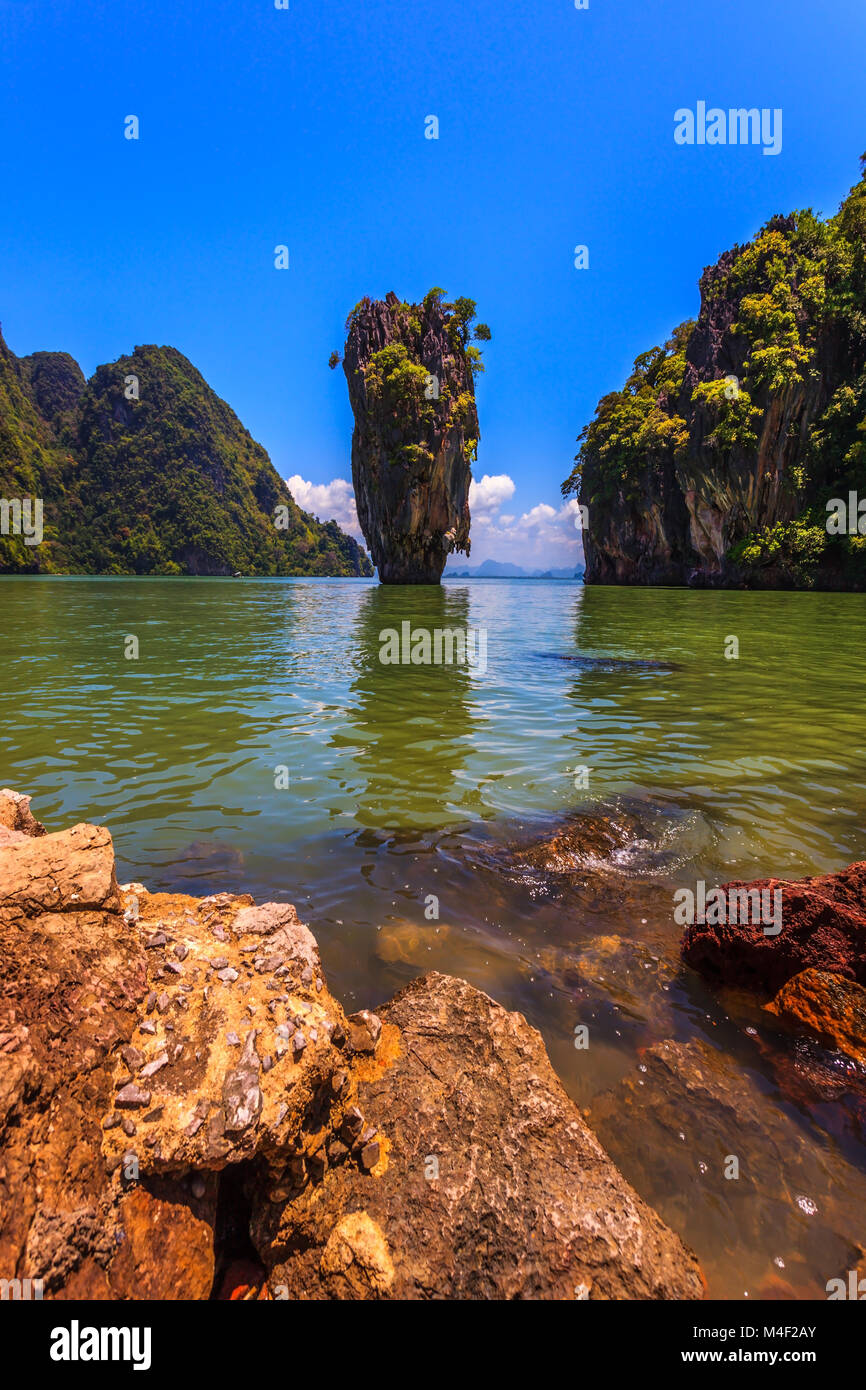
(185,1107)
(71,979)
(488,1183)
(147,1042)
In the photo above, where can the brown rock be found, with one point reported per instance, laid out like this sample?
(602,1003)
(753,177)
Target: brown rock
(242,1096)
(452,1076)
(156,1065)
(131,1097)
(15,815)
(352,1125)
(369,1155)
(478,1134)
(71,871)
(356,1261)
(166,1252)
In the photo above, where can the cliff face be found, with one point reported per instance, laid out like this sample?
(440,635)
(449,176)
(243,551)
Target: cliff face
(144,470)
(410,369)
(715,463)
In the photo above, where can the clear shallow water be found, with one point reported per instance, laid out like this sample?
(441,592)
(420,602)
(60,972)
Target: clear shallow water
(407,781)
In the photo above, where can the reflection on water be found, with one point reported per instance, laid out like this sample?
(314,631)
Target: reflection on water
(408,729)
(555,893)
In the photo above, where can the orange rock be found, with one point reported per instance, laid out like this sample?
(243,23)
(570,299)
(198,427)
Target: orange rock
(166,1252)
(212,1019)
(832,1006)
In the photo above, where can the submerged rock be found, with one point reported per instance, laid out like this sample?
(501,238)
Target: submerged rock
(612,665)
(830,1006)
(732,1169)
(410,370)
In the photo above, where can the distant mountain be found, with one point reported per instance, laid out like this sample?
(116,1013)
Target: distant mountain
(145,470)
(503,569)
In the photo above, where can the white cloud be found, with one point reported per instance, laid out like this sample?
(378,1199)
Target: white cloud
(489,495)
(334,501)
(540,514)
(544,537)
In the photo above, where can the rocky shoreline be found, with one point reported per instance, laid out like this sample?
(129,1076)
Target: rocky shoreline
(187,1112)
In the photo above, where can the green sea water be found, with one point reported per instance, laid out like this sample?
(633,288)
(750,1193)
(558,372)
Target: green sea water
(258,743)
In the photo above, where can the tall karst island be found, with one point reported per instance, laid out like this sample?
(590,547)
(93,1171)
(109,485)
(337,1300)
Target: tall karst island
(735,455)
(411,371)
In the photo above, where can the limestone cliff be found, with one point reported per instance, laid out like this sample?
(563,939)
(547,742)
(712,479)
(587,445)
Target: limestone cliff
(717,461)
(410,369)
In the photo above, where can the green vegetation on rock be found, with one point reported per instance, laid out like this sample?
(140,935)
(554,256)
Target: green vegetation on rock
(636,423)
(159,477)
(754,414)
(400,387)
(411,371)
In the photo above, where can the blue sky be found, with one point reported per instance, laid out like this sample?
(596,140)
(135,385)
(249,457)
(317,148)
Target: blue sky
(306,127)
